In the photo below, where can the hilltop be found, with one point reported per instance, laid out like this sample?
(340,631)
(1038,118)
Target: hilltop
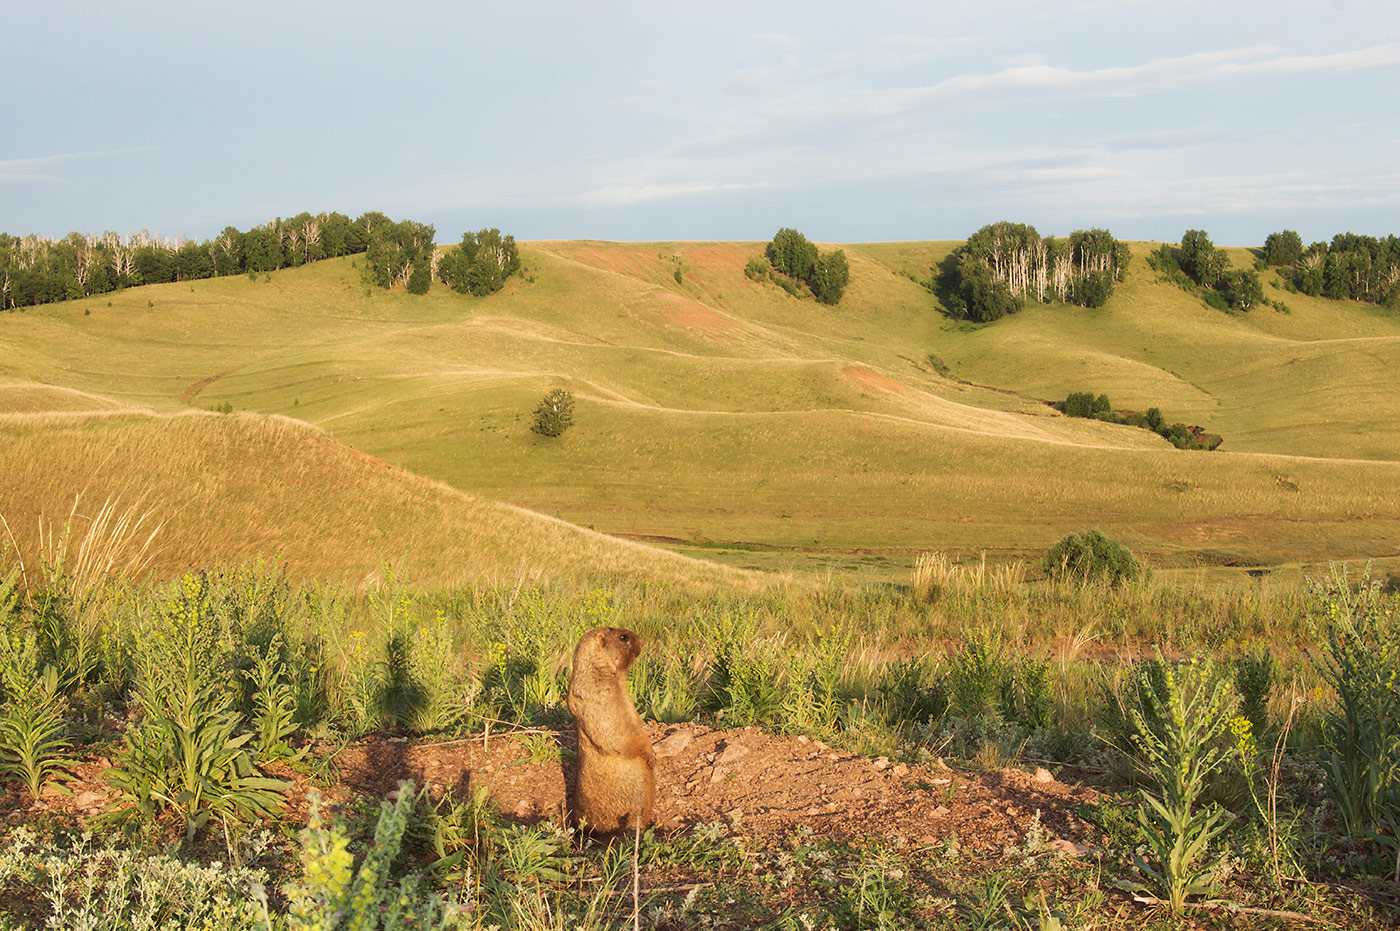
(725,417)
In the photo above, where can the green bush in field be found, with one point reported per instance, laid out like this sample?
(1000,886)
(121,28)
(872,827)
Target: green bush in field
(555,413)
(1088,555)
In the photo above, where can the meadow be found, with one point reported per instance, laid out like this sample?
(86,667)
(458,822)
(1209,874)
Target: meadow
(728,419)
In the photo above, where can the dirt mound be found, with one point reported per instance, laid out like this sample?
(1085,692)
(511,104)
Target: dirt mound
(755,781)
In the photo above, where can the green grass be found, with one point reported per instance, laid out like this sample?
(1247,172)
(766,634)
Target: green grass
(728,417)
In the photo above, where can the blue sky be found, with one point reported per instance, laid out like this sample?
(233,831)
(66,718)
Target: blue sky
(641,121)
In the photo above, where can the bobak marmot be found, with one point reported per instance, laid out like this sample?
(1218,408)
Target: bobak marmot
(616,786)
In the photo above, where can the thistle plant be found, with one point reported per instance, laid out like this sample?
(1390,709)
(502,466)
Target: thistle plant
(1178,746)
(33,735)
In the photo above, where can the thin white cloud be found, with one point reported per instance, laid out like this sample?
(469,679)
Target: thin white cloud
(42,169)
(627,195)
(1154,75)
(30,164)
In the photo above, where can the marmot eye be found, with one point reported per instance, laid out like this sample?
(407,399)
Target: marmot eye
(622,637)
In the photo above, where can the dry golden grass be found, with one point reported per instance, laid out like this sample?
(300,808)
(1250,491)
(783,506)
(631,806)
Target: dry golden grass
(234,488)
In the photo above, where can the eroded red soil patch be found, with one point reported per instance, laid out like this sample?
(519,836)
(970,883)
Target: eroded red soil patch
(874,379)
(755,781)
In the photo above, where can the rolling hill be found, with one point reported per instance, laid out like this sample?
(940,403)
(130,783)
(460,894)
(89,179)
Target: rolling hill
(725,417)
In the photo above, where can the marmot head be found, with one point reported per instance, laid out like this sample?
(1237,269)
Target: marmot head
(607,648)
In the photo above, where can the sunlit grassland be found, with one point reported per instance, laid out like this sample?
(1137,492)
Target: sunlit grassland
(227,489)
(725,415)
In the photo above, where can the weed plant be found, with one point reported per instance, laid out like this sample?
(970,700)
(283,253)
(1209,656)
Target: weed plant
(1361,733)
(1178,747)
(33,732)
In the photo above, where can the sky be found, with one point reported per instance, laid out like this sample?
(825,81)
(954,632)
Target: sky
(852,122)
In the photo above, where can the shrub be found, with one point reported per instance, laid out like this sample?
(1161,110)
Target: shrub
(555,413)
(1089,554)
(758,268)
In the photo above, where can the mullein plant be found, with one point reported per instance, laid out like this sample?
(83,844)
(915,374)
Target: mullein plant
(1178,747)
(33,734)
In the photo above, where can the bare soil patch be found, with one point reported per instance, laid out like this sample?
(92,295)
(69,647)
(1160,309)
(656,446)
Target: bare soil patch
(756,782)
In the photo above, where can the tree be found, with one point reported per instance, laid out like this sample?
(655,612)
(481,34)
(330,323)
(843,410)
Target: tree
(1200,259)
(1241,288)
(420,279)
(555,413)
(830,277)
(481,263)
(1092,290)
(395,249)
(1283,248)
(979,293)
(792,254)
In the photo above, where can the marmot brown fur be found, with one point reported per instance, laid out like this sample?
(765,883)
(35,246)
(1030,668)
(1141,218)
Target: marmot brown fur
(616,786)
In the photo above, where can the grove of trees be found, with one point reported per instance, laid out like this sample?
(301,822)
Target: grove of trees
(792,256)
(1002,264)
(1350,267)
(1199,263)
(39,270)
(1098,407)
(481,263)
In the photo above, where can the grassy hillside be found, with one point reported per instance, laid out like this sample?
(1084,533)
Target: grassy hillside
(235,488)
(723,414)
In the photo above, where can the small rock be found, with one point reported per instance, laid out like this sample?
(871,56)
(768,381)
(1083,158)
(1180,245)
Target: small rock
(672,743)
(882,762)
(90,801)
(943,766)
(940,811)
(1042,775)
(819,745)
(814,811)
(833,756)
(928,840)
(1069,848)
(901,770)
(717,775)
(731,753)
(802,739)
(735,815)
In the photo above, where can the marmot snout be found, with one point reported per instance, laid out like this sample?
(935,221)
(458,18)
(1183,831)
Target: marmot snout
(616,767)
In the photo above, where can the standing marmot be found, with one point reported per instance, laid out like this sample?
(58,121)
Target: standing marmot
(616,767)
